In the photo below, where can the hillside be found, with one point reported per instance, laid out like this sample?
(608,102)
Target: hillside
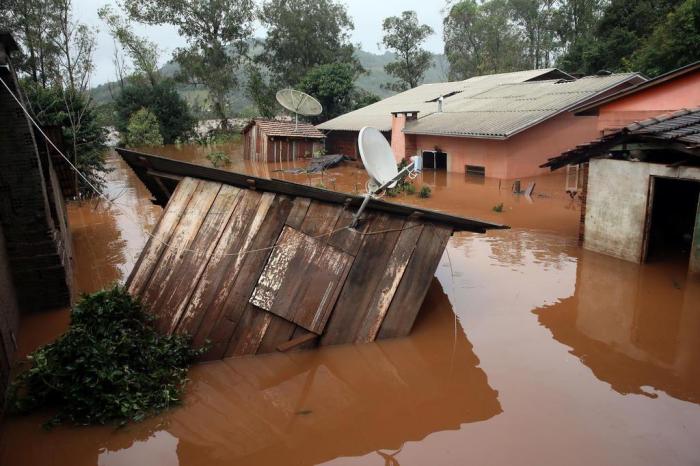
(371,81)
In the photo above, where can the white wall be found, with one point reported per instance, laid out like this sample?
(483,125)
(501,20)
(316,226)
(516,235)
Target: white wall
(616,204)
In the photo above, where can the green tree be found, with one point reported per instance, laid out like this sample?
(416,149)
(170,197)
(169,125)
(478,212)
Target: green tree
(536,18)
(162,99)
(333,85)
(303,34)
(142,130)
(260,92)
(217,32)
(404,36)
(482,39)
(674,43)
(86,140)
(362,98)
(143,52)
(624,26)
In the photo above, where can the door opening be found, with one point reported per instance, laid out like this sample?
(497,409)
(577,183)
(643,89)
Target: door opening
(673,210)
(434,160)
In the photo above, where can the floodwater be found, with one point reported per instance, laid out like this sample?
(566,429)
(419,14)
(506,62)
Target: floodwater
(528,350)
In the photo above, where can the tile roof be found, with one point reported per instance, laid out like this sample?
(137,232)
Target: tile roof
(286,129)
(492,106)
(681,127)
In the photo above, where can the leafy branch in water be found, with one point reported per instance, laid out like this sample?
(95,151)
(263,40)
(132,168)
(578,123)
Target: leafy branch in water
(111,366)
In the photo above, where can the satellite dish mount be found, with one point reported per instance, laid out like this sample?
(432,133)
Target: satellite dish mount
(379,162)
(298,103)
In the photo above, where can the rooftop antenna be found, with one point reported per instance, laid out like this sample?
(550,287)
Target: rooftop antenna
(379,162)
(298,103)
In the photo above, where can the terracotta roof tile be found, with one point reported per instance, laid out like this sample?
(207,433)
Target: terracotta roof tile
(286,129)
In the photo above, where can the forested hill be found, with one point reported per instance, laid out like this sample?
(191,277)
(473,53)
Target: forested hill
(371,81)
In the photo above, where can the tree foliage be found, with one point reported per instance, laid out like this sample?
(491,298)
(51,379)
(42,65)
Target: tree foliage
(144,53)
(218,34)
(143,130)
(173,116)
(303,34)
(404,35)
(111,366)
(333,85)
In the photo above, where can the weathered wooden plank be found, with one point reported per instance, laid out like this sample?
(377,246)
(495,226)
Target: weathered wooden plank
(270,220)
(414,284)
(160,237)
(301,280)
(279,331)
(300,332)
(362,281)
(186,231)
(320,219)
(208,302)
(186,276)
(298,213)
(349,239)
(249,332)
(381,299)
(295,342)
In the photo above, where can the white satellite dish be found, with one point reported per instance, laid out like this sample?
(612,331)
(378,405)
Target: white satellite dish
(379,162)
(298,103)
(378,158)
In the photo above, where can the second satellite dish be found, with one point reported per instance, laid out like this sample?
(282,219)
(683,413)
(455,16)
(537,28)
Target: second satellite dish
(298,103)
(378,158)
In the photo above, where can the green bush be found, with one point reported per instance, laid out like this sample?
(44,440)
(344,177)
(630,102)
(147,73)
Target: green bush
(111,366)
(217,158)
(498,207)
(425,192)
(143,130)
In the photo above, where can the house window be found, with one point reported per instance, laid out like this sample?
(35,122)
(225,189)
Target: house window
(475,170)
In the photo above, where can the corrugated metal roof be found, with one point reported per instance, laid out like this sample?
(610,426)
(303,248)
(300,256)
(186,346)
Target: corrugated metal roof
(286,129)
(493,106)
(682,127)
(378,115)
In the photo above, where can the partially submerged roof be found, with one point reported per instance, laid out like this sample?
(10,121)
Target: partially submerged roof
(160,174)
(679,131)
(285,129)
(422,98)
(493,106)
(253,266)
(671,75)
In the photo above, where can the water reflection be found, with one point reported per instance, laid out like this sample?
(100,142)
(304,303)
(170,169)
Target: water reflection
(636,327)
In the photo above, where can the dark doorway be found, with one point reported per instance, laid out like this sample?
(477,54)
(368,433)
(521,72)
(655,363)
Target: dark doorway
(673,209)
(434,160)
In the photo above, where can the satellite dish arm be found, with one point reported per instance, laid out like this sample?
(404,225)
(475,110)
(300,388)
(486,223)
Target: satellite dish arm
(356,218)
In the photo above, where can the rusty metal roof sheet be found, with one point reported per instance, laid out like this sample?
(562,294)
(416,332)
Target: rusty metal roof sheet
(681,127)
(286,129)
(422,98)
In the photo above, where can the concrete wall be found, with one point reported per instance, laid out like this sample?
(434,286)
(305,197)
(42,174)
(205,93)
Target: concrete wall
(616,204)
(9,318)
(682,92)
(519,156)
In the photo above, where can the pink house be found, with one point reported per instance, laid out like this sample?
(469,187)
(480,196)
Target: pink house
(503,126)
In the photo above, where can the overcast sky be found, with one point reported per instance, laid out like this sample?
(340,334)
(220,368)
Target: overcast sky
(367,15)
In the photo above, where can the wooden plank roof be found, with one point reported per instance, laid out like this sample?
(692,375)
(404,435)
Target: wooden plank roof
(679,131)
(289,129)
(160,175)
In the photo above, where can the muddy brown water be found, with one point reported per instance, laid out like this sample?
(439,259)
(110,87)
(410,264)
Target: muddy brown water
(528,350)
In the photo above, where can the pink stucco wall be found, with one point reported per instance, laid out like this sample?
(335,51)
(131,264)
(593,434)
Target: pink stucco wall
(398,140)
(519,156)
(682,92)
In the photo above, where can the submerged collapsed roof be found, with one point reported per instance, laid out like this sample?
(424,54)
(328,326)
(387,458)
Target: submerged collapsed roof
(493,106)
(679,130)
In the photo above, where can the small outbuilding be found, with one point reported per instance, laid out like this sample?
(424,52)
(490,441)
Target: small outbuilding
(641,189)
(280,141)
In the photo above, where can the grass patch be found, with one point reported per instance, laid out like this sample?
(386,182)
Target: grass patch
(111,366)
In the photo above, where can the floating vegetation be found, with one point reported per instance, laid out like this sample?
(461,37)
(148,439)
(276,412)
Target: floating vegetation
(498,207)
(218,158)
(425,192)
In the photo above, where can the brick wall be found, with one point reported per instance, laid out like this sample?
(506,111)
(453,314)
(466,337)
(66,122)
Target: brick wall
(37,241)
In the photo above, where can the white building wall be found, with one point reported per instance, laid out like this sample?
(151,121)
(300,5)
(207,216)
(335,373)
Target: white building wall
(616,204)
